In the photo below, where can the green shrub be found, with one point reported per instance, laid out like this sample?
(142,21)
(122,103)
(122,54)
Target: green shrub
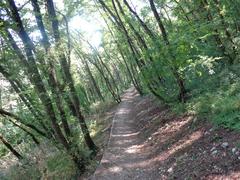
(218,100)
(3,151)
(23,172)
(60,166)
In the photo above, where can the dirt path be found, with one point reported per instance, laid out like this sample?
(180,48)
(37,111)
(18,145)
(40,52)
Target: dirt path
(148,142)
(122,160)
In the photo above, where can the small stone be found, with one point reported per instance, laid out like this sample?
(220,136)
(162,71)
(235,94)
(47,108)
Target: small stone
(213,149)
(225,145)
(218,169)
(195,120)
(239,158)
(214,152)
(237,153)
(150,138)
(206,133)
(210,130)
(234,150)
(170,170)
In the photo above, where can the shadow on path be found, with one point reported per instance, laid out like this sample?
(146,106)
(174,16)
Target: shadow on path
(119,159)
(148,143)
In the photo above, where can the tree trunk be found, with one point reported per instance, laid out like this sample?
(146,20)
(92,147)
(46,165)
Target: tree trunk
(25,130)
(179,79)
(95,85)
(224,24)
(217,37)
(74,100)
(122,28)
(19,89)
(5,113)
(143,24)
(34,74)
(10,148)
(52,74)
(108,84)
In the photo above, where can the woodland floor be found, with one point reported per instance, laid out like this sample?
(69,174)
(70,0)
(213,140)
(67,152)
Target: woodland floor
(148,142)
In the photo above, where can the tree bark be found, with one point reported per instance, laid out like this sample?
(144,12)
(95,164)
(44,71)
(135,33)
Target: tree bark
(143,24)
(34,74)
(93,81)
(20,90)
(120,25)
(18,119)
(179,79)
(74,100)
(25,130)
(131,73)
(108,84)
(52,74)
(217,37)
(10,148)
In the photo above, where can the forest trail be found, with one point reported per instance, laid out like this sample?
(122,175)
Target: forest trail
(148,142)
(65,64)
(122,159)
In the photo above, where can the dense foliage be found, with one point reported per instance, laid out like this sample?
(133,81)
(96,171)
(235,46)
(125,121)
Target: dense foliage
(185,53)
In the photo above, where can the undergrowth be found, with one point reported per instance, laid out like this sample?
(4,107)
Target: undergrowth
(215,97)
(49,162)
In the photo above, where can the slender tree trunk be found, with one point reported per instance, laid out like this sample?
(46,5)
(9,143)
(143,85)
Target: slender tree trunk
(159,21)
(182,9)
(10,148)
(59,103)
(143,24)
(142,42)
(20,90)
(104,66)
(108,84)
(24,129)
(179,79)
(95,85)
(224,24)
(52,74)
(74,100)
(120,25)
(131,73)
(217,37)
(34,74)
(18,119)
(111,77)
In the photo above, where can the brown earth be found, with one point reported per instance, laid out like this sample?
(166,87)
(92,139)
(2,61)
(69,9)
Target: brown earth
(148,142)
